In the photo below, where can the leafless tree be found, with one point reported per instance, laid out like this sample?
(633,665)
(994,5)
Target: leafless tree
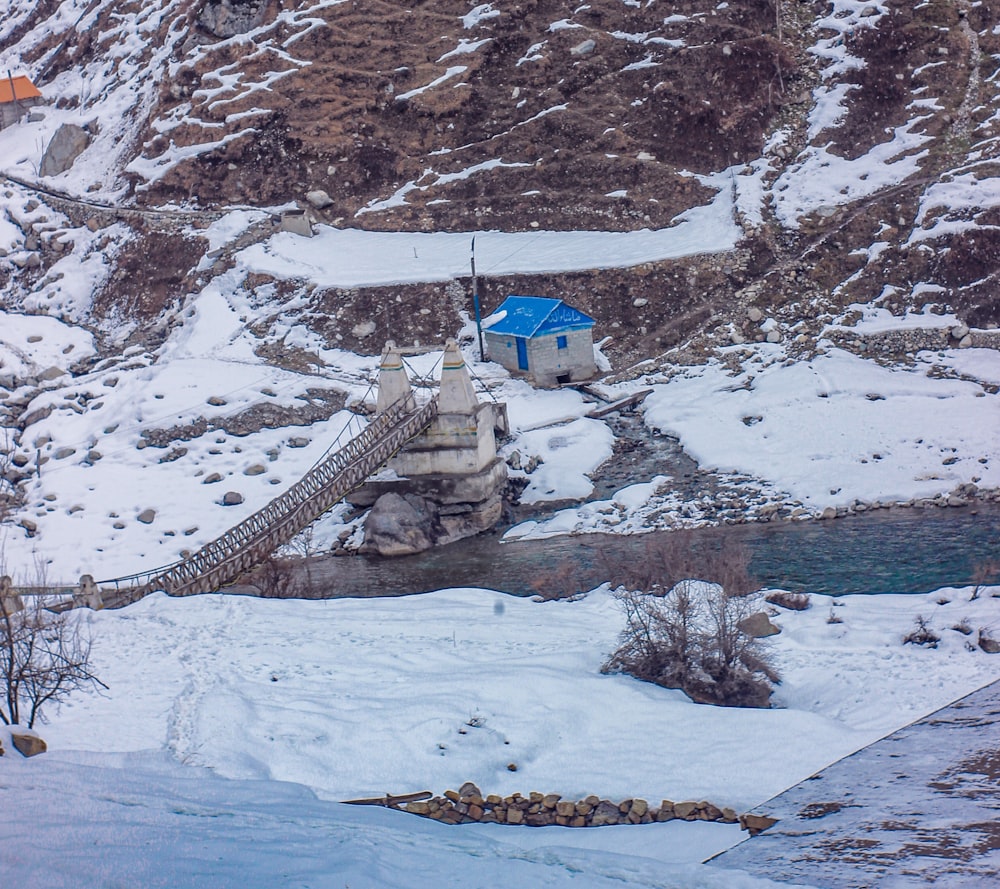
(44,658)
(683,608)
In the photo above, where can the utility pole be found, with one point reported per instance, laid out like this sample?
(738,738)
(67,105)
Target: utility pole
(475,302)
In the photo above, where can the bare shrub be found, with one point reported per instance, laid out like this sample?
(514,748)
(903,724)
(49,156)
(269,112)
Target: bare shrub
(983,574)
(557,582)
(791,601)
(921,634)
(278,579)
(963,627)
(44,658)
(682,630)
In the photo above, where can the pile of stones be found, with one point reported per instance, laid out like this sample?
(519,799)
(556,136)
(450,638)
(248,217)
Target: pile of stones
(468,805)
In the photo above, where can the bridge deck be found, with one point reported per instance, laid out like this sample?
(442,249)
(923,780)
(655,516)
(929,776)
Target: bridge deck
(256,537)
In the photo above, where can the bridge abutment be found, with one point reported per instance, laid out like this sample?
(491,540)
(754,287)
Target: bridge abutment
(446,483)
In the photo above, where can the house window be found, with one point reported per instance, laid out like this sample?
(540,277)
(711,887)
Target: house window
(560,342)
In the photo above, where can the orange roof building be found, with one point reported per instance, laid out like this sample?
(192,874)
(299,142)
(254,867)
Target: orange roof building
(18,88)
(17,95)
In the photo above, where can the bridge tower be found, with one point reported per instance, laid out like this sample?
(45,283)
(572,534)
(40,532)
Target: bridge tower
(448,480)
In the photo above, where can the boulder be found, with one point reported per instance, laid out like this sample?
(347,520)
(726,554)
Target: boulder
(990,646)
(146,516)
(685,810)
(401,525)
(755,824)
(319,199)
(51,373)
(232,498)
(605,813)
(66,146)
(256,469)
(758,626)
(468,789)
(28,743)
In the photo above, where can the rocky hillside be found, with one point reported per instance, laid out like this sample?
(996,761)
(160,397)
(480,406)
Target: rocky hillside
(857,140)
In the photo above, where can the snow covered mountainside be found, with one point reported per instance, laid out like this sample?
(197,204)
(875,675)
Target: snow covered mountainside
(784,217)
(852,146)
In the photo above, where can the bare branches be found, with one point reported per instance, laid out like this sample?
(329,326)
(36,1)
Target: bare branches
(685,631)
(44,658)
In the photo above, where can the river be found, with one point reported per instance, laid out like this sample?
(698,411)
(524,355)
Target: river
(888,551)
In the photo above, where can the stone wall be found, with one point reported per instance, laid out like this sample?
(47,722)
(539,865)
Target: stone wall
(916,339)
(469,806)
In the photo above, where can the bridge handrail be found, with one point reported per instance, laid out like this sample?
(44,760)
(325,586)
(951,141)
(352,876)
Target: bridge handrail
(283,517)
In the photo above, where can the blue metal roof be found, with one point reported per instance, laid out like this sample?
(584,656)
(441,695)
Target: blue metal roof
(529,316)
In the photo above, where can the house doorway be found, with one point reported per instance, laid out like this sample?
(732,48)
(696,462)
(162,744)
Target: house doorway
(522,353)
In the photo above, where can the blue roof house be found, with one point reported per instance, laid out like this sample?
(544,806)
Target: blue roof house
(543,339)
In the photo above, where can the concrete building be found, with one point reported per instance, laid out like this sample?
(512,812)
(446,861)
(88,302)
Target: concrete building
(17,95)
(543,339)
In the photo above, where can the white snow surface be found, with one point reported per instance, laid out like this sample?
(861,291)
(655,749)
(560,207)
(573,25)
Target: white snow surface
(837,428)
(354,258)
(231,725)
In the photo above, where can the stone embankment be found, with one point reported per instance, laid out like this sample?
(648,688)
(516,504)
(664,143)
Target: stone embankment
(469,806)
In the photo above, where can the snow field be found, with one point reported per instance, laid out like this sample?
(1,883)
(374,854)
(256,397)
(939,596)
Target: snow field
(357,698)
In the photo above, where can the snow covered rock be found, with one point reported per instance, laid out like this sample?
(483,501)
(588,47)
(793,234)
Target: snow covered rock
(28,743)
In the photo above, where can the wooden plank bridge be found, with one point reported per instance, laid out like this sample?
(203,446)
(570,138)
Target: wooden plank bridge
(258,536)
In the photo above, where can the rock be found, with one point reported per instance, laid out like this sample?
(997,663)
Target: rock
(63,453)
(418,808)
(773,336)
(666,811)
(583,49)
(515,816)
(232,498)
(66,146)
(94,455)
(736,337)
(28,744)
(51,373)
(605,813)
(319,199)
(256,469)
(640,302)
(709,812)
(298,441)
(685,810)
(468,789)
(29,526)
(830,512)
(990,646)
(146,516)
(965,342)
(398,525)
(755,314)
(216,401)
(758,626)
(959,331)
(212,479)
(364,329)
(756,824)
